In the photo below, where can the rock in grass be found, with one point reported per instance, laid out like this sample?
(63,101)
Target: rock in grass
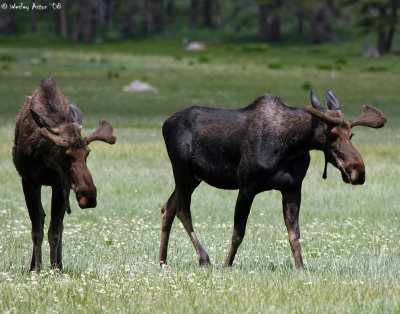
(138,86)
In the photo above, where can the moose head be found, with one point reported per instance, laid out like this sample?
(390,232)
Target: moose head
(70,149)
(337,134)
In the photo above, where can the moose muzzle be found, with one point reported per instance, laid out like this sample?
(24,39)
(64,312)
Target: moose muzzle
(85,190)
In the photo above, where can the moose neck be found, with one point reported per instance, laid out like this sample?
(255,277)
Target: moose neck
(302,133)
(319,137)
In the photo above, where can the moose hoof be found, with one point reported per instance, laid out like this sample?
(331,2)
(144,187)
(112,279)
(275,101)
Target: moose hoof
(205,262)
(162,264)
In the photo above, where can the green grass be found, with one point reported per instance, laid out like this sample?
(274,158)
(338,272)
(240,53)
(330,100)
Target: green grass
(350,234)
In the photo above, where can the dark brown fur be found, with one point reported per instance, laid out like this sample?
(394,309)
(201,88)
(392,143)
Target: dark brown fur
(49,150)
(260,147)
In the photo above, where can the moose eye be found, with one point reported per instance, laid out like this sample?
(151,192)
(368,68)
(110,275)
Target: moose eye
(332,136)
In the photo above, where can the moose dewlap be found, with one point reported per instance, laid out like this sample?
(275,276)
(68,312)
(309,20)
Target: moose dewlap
(261,147)
(49,150)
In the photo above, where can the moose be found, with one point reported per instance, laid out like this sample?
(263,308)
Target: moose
(49,150)
(260,147)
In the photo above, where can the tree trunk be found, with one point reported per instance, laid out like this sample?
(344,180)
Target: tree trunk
(207,13)
(269,29)
(193,14)
(33,19)
(389,40)
(262,23)
(88,14)
(321,19)
(218,13)
(128,19)
(158,14)
(300,24)
(63,20)
(274,28)
(147,18)
(109,13)
(76,22)
(385,37)
(99,11)
(170,11)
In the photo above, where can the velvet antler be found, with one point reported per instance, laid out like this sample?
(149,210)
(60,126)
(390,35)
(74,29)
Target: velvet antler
(370,117)
(324,116)
(103,133)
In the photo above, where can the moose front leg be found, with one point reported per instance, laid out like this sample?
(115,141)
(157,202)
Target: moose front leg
(59,204)
(36,214)
(242,211)
(291,207)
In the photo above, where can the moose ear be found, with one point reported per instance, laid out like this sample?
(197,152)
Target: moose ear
(43,121)
(75,114)
(103,133)
(332,102)
(315,101)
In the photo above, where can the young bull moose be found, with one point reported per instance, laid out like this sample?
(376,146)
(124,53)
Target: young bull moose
(261,147)
(49,150)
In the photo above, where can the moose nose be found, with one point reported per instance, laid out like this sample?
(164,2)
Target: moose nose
(86,199)
(85,202)
(356,173)
(357,177)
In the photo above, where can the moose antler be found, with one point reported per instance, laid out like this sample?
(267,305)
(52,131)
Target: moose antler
(323,116)
(370,117)
(103,133)
(58,140)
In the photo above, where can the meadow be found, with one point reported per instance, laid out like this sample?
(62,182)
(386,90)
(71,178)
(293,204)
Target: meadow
(350,234)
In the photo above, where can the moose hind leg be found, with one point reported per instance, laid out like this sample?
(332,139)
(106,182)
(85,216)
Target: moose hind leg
(184,215)
(291,207)
(168,212)
(59,204)
(36,214)
(242,210)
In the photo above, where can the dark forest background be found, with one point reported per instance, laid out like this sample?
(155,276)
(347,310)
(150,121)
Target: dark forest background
(266,21)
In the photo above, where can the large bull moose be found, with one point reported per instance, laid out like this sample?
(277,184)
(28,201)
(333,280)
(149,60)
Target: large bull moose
(261,147)
(49,150)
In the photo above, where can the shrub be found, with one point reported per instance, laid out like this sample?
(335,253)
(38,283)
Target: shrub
(8,57)
(342,61)
(205,58)
(112,74)
(316,50)
(376,68)
(254,47)
(324,66)
(306,85)
(275,66)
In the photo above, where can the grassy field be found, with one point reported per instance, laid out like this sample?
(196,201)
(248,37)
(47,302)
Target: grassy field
(350,234)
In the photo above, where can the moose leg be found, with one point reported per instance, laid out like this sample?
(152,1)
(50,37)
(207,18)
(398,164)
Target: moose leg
(185,217)
(36,214)
(291,207)
(168,212)
(58,207)
(242,210)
